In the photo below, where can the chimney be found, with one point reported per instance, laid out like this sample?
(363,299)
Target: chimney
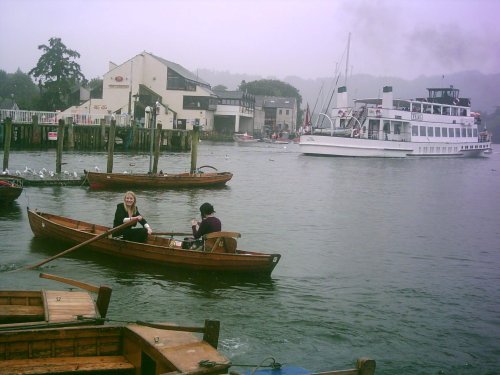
(387,97)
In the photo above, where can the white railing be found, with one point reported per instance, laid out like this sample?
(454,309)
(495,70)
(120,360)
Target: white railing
(52,118)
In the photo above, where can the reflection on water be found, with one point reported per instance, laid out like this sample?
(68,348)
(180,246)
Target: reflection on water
(11,211)
(392,259)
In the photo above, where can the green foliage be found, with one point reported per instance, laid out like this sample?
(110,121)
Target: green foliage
(19,87)
(273,87)
(57,73)
(95,86)
(220,88)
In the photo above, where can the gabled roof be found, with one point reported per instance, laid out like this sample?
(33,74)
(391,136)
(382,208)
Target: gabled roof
(181,70)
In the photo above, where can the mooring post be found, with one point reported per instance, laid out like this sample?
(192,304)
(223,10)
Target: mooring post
(36,138)
(60,143)
(6,143)
(194,147)
(157,147)
(70,142)
(111,146)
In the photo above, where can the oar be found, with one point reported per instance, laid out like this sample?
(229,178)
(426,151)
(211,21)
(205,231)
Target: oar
(78,284)
(93,239)
(172,234)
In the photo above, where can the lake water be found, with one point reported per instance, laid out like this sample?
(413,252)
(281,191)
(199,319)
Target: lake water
(397,260)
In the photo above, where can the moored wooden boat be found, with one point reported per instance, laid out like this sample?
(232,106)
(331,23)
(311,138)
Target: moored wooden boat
(101,180)
(219,253)
(128,349)
(11,188)
(48,308)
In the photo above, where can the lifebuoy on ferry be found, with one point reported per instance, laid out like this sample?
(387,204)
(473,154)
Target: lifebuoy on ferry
(355,133)
(456,101)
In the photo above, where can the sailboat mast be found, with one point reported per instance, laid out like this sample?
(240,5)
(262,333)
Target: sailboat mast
(347,58)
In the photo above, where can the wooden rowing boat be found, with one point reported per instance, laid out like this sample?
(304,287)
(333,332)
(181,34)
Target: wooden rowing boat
(127,349)
(101,180)
(219,253)
(11,188)
(21,309)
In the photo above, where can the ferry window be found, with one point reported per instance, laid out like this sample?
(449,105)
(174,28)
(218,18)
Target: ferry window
(430,131)
(452,134)
(287,112)
(427,108)
(387,127)
(474,132)
(446,111)
(397,128)
(464,132)
(469,132)
(445,132)
(422,130)
(414,130)
(436,109)
(416,107)
(437,131)
(454,111)
(457,133)
(463,112)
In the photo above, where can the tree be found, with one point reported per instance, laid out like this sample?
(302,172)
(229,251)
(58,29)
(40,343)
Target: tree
(19,87)
(273,87)
(57,74)
(219,88)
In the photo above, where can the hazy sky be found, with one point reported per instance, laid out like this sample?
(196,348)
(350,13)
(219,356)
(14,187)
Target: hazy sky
(273,38)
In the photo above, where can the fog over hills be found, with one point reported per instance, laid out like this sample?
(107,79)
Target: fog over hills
(482,89)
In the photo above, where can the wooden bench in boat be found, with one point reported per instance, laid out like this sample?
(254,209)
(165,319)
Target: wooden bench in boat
(221,242)
(88,365)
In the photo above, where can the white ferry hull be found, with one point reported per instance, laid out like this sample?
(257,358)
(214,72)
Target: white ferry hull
(356,147)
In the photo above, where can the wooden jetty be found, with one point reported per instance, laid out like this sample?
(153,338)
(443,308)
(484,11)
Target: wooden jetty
(87,137)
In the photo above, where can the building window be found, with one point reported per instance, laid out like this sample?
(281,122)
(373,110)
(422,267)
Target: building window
(457,133)
(287,112)
(423,131)
(445,132)
(452,134)
(177,82)
(414,130)
(196,102)
(430,131)
(280,111)
(437,131)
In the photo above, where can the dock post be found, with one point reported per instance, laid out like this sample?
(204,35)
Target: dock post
(6,143)
(111,146)
(211,332)
(102,137)
(195,138)
(70,142)
(36,136)
(157,147)
(103,298)
(60,143)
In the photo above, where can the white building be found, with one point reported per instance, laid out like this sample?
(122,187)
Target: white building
(182,98)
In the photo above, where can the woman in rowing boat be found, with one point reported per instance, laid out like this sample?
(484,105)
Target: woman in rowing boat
(126,211)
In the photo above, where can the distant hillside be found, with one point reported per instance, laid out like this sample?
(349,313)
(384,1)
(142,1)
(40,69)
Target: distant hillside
(483,90)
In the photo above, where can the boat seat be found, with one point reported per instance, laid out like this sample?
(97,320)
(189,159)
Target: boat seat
(87,365)
(21,313)
(221,242)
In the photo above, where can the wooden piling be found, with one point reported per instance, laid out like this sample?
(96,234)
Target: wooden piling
(60,144)
(36,138)
(194,147)
(6,144)
(111,146)
(157,147)
(70,141)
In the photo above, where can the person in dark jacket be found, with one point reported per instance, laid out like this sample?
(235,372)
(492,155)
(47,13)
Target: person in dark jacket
(127,211)
(209,223)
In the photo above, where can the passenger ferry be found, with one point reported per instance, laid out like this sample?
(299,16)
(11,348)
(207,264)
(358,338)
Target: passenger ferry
(440,125)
